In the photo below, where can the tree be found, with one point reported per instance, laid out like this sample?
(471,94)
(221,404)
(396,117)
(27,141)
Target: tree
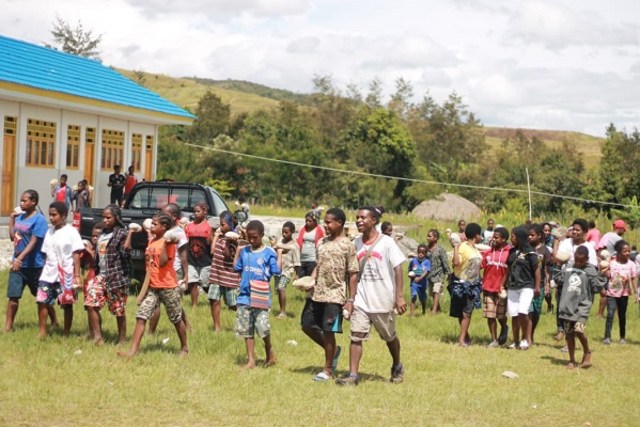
(213,119)
(76,41)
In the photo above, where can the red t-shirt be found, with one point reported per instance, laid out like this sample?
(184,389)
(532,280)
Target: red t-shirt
(161,277)
(129,183)
(494,263)
(199,253)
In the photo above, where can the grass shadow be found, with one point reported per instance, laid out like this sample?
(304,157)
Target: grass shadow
(555,360)
(314,369)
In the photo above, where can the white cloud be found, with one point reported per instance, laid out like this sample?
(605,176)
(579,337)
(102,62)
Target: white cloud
(568,65)
(557,26)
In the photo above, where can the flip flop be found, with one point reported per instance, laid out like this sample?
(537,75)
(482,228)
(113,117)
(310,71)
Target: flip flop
(321,377)
(336,357)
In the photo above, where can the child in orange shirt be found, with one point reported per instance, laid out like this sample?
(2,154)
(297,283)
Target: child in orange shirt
(163,285)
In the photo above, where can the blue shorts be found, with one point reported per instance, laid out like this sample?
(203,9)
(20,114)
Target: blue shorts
(419,290)
(24,277)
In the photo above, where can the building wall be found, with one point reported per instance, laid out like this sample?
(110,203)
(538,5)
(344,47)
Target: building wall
(38,178)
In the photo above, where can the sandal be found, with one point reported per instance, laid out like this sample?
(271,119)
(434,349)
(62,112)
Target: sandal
(322,377)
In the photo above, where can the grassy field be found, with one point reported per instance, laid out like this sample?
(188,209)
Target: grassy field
(68,381)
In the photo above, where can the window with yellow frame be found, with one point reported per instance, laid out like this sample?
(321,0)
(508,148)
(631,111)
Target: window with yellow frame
(112,149)
(73,147)
(136,151)
(41,143)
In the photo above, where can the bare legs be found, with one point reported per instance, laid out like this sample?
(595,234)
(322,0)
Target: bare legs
(251,352)
(138,333)
(571,346)
(12,311)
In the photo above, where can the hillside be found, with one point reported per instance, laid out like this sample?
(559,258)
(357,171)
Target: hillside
(589,146)
(248,97)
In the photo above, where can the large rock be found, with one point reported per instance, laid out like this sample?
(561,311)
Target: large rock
(447,207)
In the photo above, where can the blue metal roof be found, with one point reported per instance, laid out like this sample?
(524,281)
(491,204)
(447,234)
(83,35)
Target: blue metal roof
(48,69)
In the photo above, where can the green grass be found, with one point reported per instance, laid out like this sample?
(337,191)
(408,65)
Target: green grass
(47,383)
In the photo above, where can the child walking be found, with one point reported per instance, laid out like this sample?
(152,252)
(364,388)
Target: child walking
(419,269)
(289,254)
(336,268)
(622,283)
(61,273)
(523,286)
(110,286)
(494,280)
(256,263)
(581,282)
(536,236)
(163,285)
(199,252)
(440,268)
(27,230)
(223,280)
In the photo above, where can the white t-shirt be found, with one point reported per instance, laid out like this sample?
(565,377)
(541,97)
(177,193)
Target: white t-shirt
(59,246)
(567,246)
(376,288)
(183,240)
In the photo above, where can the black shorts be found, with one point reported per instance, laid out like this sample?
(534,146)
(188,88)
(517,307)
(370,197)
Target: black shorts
(306,268)
(324,316)
(460,306)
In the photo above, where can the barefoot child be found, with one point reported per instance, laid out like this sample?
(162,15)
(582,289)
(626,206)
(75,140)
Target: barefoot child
(163,285)
(289,254)
(536,236)
(87,265)
(494,301)
(419,269)
(27,228)
(61,273)
(110,285)
(199,252)
(581,282)
(256,263)
(223,280)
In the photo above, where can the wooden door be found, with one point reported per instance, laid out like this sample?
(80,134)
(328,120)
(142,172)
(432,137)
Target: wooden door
(148,159)
(8,166)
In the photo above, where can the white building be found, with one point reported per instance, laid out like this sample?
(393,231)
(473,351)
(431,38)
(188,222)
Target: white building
(61,113)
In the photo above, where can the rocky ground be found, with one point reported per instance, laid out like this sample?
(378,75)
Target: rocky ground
(6,250)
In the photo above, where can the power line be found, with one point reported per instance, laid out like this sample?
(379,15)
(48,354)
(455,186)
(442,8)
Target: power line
(423,181)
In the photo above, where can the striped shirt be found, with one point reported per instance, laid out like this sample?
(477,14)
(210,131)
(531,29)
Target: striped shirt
(222,271)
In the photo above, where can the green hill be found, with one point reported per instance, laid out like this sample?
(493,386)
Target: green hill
(588,145)
(247,97)
(186,92)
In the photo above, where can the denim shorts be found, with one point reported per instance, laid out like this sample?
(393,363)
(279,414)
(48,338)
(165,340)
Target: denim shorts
(24,277)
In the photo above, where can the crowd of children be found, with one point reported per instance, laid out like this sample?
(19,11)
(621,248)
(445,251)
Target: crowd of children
(507,274)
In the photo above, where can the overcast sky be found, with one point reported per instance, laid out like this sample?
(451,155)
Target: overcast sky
(571,65)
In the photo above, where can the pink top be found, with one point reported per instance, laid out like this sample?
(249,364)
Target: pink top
(621,276)
(593,235)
